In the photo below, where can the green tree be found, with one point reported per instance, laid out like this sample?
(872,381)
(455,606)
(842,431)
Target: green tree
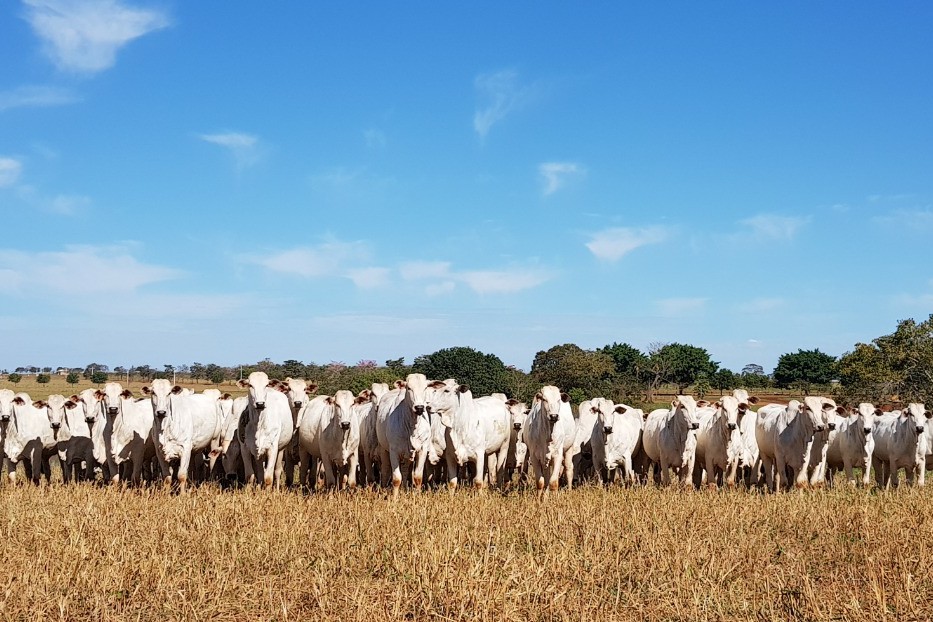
(73,378)
(484,373)
(803,369)
(631,369)
(15,378)
(43,378)
(293,369)
(569,366)
(215,373)
(682,364)
(99,377)
(725,379)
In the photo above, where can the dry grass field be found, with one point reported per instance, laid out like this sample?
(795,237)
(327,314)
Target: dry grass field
(85,553)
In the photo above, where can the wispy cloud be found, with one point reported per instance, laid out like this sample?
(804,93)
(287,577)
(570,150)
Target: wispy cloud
(81,270)
(327,259)
(416,270)
(10,170)
(912,220)
(555,174)
(61,204)
(243,147)
(506,281)
(761,305)
(500,94)
(83,36)
(614,243)
(35,97)
(369,278)
(774,227)
(375,139)
(676,307)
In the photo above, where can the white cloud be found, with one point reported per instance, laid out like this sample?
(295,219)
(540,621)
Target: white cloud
(84,35)
(369,278)
(555,174)
(675,307)
(81,270)
(504,281)
(913,220)
(774,227)
(67,205)
(375,139)
(612,244)
(35,97)
(243,147)
(327,259)
(417,270)
(501,95)
(10,170)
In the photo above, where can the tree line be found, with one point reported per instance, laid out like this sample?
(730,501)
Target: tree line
(895,367)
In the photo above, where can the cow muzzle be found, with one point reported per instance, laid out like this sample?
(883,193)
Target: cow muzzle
(819,428)
(731,426)
(607,429)
(516,426)
(112,410)
(89,420)
(694,426)
(260,405)
(419,409)
(160,413)
(56,426)
(344,425)
(919,429)
(831,426)
(552,418)
(5,418)
(866,430)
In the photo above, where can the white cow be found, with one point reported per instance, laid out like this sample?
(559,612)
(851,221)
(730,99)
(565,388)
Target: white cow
(582,452)
(549,433)
(784,436)
(719,444)
(130,424)
(233,441)
(900,443)
(30,436)
(79,449)
(669,438)
(518,450)
(615,438)
(816,466)
(750,459)
(268,431)
(854,442)
(339,438)
(184,425)
(6,413)
(476,430)
(299,393)
(369,442)
(403,442)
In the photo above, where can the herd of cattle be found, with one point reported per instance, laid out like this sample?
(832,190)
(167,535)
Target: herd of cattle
(433,432)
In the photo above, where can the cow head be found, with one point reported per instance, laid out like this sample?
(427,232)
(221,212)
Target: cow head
(112,396)
(161,394)
(745,401)
(685,406)
(258,386)
(378,389)
(823,409)
(55,407)
(343,401)
(917,414)
(416,386)
(93,406)
(518,411)
(606,412)
(298,392)
(728,410)
(550,401)
(865,415)
(6,405)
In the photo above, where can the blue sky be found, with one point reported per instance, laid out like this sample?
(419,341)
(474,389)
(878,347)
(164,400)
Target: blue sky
(225,182)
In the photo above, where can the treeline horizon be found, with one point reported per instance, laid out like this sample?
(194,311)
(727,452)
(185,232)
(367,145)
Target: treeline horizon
(893,367)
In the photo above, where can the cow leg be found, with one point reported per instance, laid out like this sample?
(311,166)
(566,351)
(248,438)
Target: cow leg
(417,468)
(921,468)
(330,478)
(304,459)
(892,474)
(396,470)
(184,464)
(273,467)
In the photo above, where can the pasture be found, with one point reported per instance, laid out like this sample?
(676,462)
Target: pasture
(84,552)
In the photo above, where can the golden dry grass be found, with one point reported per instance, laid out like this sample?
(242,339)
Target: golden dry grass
(80,552)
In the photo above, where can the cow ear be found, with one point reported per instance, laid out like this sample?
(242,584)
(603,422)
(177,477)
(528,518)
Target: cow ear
(752,399)
(437,384)
(176,389)
(878,412)
(620,409)
(18,401)
(40,403)
(463,388)
(564,397)
(281,388)
(126,393)
(841,410)
(828,406)
(644,415)
(675,403)
(146,390)
(538,396)
(75,398)
(330,400)
(366,394)
(226,396)
(99,394)
(70,405)
(928,414)
(717,405)
(511,402)
(399,384)
(242,383)
(593,409)
(702,404)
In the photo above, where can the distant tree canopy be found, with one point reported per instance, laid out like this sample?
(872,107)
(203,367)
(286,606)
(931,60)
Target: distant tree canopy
(484,373)
(15,378)
(899,365)
(682,364)
(73,378)
(569,367)
(43,378)
(99,377)
(804,368)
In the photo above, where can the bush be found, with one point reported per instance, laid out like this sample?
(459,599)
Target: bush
(15,378)
(73,378)
(99,377)
(43,378)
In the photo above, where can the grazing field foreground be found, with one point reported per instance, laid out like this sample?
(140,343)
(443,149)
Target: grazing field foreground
(82,552)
